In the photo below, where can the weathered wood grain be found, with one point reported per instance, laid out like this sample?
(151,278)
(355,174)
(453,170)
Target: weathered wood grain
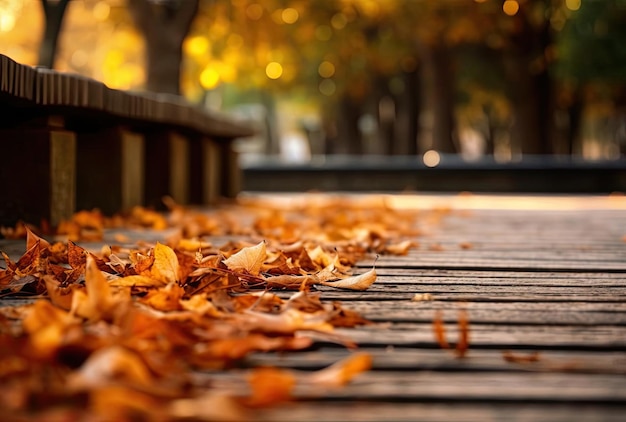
(551,282)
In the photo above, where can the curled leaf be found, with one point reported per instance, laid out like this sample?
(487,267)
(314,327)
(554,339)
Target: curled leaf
(356,282)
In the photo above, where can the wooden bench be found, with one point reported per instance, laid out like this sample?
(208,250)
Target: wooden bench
(70,142)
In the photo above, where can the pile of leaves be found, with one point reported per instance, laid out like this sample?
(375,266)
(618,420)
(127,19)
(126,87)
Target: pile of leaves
(123,332)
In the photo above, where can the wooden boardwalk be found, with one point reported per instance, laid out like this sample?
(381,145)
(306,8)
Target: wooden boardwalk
(543,283)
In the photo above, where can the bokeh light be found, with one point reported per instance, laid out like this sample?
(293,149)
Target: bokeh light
(510,7)
(326,69)
(431,158)
(274,70)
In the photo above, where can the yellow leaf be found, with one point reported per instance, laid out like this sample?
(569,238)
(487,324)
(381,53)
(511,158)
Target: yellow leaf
(249,259)
(114,363)
(136,281)
(166,298)
(342,372)
(165,267)
(356,282)
(98,301)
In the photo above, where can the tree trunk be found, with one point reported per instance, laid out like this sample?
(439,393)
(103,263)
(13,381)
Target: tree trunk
(530,85)
(54,12)
(164,26)
(438,70)
(349,135)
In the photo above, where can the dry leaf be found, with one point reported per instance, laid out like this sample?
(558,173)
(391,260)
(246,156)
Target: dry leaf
(136,281)
(166,298)
(342,372)
(46,326)
(357,282)
(165,267)
(113,364)
(462,346)
(519,358)
(439,329)
(421,297)
(210,406)
(287,322)
(270,386)
(98,301)
(249,259)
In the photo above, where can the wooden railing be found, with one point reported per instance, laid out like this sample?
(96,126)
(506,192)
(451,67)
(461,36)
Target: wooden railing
(69,142)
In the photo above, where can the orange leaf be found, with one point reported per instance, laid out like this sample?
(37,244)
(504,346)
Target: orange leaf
(342,372)
(166,298)
(99,301)
(270,386)
(439,330)
(249,259)
(462,345)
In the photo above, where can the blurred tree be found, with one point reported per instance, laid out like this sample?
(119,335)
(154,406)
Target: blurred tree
(54,11)
(592,63)
(164,25)
(527,63)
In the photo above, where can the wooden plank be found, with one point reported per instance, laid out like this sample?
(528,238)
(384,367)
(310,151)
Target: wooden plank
(400,386)
(363,411)
(546,336)
(560,313)
(477,360)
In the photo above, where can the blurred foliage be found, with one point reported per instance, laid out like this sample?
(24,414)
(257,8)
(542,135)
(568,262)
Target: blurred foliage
(326,50)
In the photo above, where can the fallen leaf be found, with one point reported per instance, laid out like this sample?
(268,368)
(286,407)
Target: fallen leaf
(165,267)
(462,346)
(166,298)
(439,330)
(521,358)
(98,301)
(270,386)
(357,282)
(111,365)
(342,372)
(136,281)
(249,259)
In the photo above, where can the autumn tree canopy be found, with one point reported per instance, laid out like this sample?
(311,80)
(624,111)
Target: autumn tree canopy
(399,76)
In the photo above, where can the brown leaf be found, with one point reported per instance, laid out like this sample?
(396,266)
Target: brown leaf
(98,301)
(46,325)
(166,298)
(270,386)
(112,364)
(462,346)
(60,296)
(357,282)
(249,259)
(287,322)
(136,281)
(439,329)
(519,358)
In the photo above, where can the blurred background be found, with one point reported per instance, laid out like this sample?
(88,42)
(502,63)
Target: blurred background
(475,78)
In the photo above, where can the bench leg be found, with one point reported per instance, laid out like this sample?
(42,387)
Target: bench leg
(211,174)
(167,162)
(42,183)
(62,175)
(231,172)
(110,170)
